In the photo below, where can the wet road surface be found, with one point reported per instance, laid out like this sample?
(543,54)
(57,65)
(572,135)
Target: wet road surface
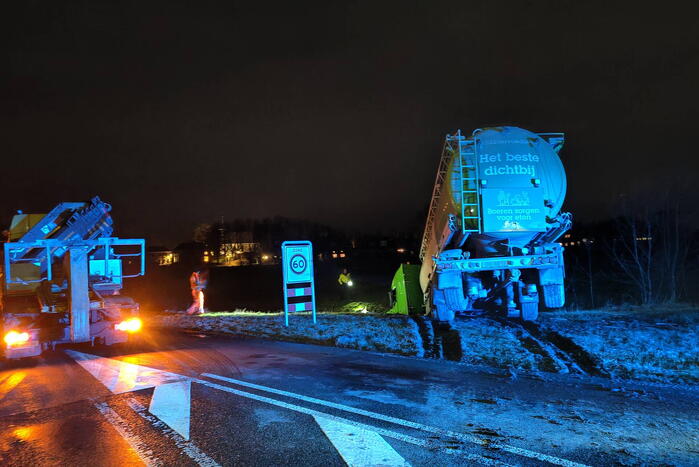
(193,399)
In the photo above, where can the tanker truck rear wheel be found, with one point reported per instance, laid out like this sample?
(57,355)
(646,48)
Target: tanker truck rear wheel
(554,295)
(438,307)
(530,311)
(443,316)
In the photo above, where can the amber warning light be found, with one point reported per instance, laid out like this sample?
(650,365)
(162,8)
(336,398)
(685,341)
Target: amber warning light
(16,338)
(129,325)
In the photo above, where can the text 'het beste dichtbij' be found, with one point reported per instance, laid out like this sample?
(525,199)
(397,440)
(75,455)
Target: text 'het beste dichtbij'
(509,169)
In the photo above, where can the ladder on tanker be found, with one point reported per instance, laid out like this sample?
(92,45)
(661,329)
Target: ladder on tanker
(455,145)
(471,219)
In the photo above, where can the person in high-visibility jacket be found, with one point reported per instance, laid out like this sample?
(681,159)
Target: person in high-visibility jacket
(345,281)
(197,282)
(345,278)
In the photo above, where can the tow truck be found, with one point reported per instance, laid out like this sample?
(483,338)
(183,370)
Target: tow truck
(62,274)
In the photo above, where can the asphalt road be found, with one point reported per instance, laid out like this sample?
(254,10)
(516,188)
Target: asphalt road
(187,399)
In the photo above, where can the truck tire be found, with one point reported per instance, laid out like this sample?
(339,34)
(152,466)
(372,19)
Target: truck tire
(443,315)
(455,300)
(530,311)
(440,312)
(554,295)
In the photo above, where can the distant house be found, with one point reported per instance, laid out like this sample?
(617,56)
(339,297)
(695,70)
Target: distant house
(161,256)
(240,249)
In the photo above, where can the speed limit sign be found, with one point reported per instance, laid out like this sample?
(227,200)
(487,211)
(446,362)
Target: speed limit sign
(299,287)
(298,264)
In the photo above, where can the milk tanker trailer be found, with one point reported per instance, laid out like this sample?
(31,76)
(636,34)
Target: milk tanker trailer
(490,239)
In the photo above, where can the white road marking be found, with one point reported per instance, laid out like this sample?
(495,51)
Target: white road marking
(171,396)
(120,377)
(171,404)
(381,431)
(359,447)
(188,447)
(406,423)
(145,454)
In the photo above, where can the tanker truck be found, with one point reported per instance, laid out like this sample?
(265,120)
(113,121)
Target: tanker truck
(489,243)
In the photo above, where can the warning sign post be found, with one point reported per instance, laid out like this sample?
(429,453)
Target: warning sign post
(298,286)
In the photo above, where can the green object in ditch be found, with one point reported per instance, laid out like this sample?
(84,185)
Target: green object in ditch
(406,294)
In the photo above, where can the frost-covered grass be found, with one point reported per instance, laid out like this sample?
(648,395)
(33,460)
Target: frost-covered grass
(361,331)
(243,312)
(648,344)
(363,307)
(657,344)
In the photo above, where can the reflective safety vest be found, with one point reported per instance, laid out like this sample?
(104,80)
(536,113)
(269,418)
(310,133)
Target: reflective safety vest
(343,279)
(196,282)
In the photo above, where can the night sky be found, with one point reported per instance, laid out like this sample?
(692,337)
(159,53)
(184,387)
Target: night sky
(180,112)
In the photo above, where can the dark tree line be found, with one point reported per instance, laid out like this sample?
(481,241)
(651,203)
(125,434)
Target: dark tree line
(646,254)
